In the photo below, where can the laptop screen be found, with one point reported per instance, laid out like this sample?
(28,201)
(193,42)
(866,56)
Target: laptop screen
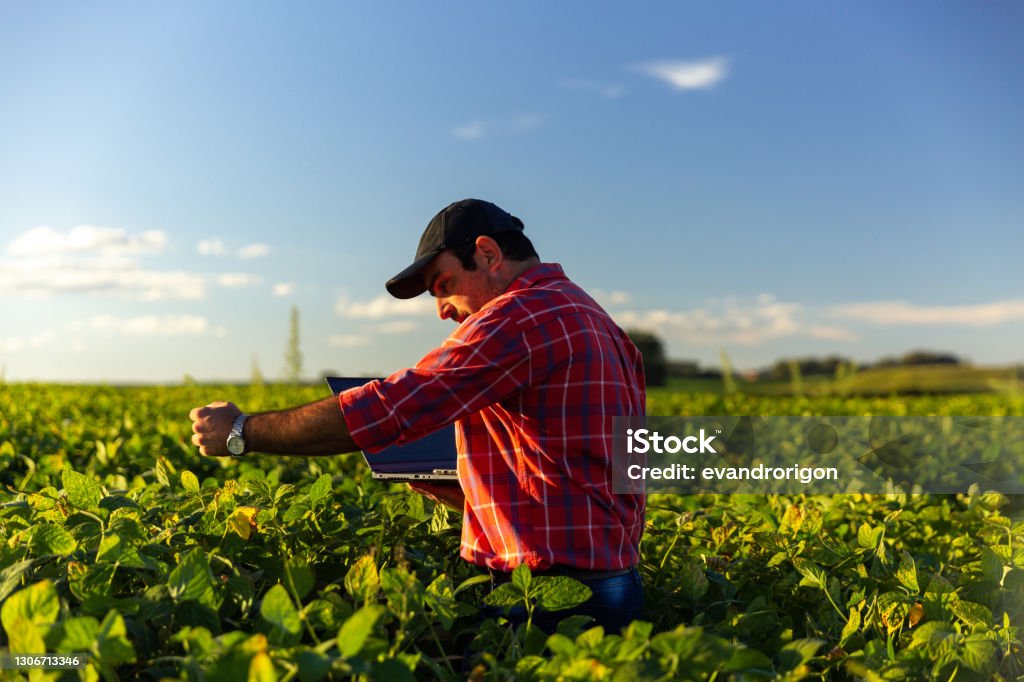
(433,451)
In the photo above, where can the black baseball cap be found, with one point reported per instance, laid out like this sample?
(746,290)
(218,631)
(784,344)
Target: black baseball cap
(458,223)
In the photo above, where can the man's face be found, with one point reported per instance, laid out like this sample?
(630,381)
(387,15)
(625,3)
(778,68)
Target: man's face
(459,292)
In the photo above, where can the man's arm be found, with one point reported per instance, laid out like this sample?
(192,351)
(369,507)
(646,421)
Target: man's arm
(317,428)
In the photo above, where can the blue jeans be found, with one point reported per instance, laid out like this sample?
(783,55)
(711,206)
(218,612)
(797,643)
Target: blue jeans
(614,604)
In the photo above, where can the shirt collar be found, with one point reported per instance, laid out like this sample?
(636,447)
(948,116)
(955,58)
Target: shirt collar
(536,275)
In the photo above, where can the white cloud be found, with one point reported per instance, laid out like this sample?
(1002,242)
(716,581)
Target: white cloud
(13,344)
(470,131)
(609,299)
(731,321)
(384,306)
(87,239)
(522,123)
(283,289)
(348,340)
(210,247)
(688,75)
(608,90)
(253,251)
(903,313)
(94,260)
(148,325)
(397,327)
(40,277)
(235,280)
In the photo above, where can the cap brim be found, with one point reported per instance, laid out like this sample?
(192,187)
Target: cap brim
(409,282)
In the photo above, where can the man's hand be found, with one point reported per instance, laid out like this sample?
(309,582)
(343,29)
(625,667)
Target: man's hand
(211,426)
(448,494)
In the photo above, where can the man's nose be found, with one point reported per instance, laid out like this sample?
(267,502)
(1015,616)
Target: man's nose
(443,309)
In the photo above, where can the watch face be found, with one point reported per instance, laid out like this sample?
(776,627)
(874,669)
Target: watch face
(236,445)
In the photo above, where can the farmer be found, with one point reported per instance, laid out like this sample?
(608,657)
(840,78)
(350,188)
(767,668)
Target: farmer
(532,377)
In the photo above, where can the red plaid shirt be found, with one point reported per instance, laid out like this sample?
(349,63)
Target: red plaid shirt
(532,381)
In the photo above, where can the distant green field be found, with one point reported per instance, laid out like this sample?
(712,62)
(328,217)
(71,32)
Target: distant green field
(913,379)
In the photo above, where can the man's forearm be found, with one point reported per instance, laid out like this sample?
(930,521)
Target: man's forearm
(315,429)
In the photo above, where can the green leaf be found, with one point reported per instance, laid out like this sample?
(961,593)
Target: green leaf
(82,491)
(991,566)
(693,583)
(560,593)
(299,576)
(189,481)
(930,634)
(504,596)
(362,581)
(261,669)
(404,591)
(798,652)
(76,634)
(37,604)
(278,610)
(868,537)
(112,641)
(852,626)
(192,579)
(813,575)
(51,539)
(320,489)
(10,577)
(440,598)
(970,612)
(26,616)
(357,629)
(471,582)
(979,654)
(907,573)
(521,578)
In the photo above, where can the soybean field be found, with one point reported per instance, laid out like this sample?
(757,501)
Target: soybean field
(120,544)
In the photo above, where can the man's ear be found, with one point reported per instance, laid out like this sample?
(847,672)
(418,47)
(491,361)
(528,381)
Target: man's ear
(490,252)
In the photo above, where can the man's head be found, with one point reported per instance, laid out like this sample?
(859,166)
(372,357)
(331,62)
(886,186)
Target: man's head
(469,253)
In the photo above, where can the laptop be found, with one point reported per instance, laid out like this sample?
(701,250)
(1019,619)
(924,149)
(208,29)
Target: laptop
(431,458)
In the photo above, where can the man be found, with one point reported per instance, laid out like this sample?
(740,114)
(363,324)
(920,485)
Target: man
(532,377)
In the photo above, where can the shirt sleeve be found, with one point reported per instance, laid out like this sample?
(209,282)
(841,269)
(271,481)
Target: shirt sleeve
(483,362)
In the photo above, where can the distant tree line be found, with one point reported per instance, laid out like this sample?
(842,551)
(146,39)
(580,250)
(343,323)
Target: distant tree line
(659,368)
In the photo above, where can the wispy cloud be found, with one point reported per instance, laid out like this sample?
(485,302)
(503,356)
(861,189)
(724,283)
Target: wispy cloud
(210,247)
(384,306)
(475,130)
(397,327)
(283,289)
(94,260)
(236,280)
(470,131)
(348,340)
(253,251)
(13,344)
(611,299)
(904,313)
(680,75)
(607,90)
(34,278)
(86,239)
(148,325)
(733,321)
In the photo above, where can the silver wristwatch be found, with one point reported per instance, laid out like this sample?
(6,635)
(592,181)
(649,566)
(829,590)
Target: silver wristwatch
(236,443)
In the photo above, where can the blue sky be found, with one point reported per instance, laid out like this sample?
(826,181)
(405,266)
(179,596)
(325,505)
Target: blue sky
(768,179)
